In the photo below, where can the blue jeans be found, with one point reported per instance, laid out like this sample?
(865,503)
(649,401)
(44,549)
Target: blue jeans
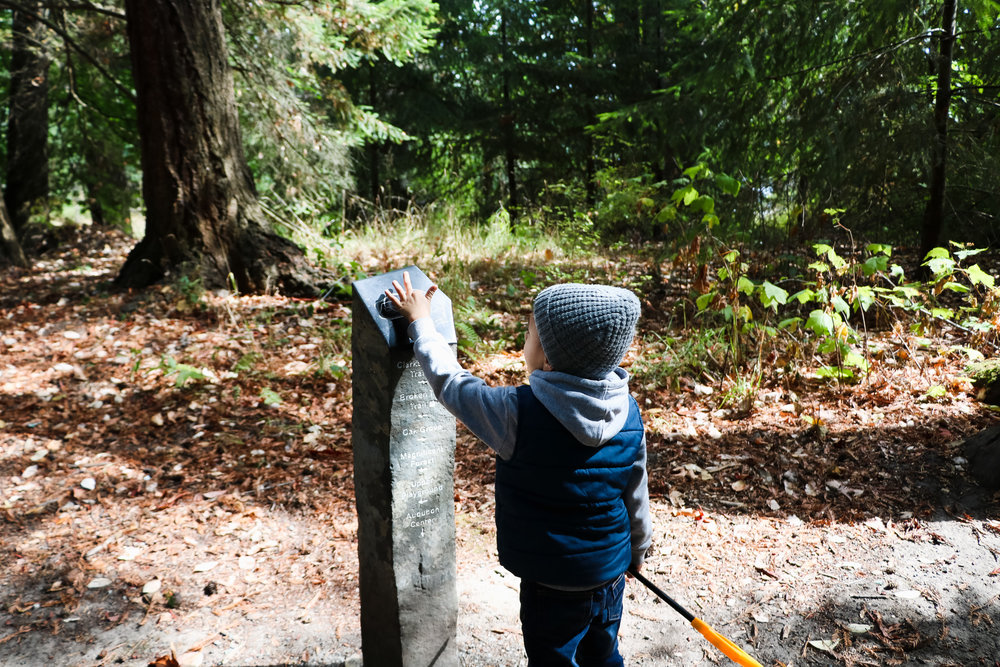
(572,628)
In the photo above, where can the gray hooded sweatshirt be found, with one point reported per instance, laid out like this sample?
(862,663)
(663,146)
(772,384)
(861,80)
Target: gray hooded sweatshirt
(593,411)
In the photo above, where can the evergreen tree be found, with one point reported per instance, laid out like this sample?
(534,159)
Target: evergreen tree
(201,205)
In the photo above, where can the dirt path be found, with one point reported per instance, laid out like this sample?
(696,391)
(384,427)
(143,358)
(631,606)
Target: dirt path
(852,537)
(790,593)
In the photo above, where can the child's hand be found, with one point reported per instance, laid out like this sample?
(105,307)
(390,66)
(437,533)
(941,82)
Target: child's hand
(412,303)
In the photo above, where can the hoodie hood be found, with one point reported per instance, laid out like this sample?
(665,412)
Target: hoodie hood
(593,411)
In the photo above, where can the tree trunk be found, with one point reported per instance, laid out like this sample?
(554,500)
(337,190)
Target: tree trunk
(28,125)
(201,203)
(590,164)
(10,248)
(373,170)
(507,122)
(934,213)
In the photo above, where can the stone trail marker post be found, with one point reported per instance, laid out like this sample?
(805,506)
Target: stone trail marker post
(404,464)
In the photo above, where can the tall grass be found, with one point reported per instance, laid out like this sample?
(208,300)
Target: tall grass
(436,235)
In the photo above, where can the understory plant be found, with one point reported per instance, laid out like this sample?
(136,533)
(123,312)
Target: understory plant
(841,298)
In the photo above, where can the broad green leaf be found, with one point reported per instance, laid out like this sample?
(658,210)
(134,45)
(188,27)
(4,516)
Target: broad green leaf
(875,264)
(979,277)
(828,345)
(937,391)
(804,295)
(731,256)
(834,373)
(840,305)
(727,184)
(937,253)
(790,323)
(865,297)
(704,300)
(940,265)
(821,249)
(852,358)
(836,260)
(690,196)
(745,286)
(681,194)
(879,249)
(956,287)
(897,300)
(646,201)
(962,254)
(943,313)
(705,204)
(711,220)
(819,267)
(270,397)
(666,214)
(772,295)
(976,324)
(692,172)
(820,322)
(186,372)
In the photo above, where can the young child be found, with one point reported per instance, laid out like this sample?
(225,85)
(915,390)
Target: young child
(572,505)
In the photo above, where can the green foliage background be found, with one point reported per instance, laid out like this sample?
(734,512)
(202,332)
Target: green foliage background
(576,116)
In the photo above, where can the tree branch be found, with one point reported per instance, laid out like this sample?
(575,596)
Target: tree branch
(877,52)
(857,56)
(68,39)
(89,7)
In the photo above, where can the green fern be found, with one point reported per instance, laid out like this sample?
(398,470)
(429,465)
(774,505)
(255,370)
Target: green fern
(468,339)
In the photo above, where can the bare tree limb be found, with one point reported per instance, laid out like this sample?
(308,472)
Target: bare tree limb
(89,7)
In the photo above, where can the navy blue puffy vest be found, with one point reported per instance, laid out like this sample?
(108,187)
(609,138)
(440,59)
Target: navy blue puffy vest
(561,519)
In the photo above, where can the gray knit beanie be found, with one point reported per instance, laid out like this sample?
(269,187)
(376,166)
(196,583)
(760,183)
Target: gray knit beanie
(585,330)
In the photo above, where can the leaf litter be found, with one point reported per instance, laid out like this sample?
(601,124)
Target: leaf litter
(152,451)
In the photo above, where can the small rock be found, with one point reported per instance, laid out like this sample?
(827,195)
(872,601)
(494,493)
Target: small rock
(99,582)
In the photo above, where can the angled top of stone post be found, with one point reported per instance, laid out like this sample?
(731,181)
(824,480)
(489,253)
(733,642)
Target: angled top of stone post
(369,294)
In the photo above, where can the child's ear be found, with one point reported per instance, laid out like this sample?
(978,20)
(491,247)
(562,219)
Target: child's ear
(546,366)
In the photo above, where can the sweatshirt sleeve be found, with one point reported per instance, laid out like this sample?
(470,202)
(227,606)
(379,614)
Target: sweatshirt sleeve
(489,412)
(637,504)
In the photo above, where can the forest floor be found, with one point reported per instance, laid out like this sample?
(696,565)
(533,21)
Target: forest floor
(175,475)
